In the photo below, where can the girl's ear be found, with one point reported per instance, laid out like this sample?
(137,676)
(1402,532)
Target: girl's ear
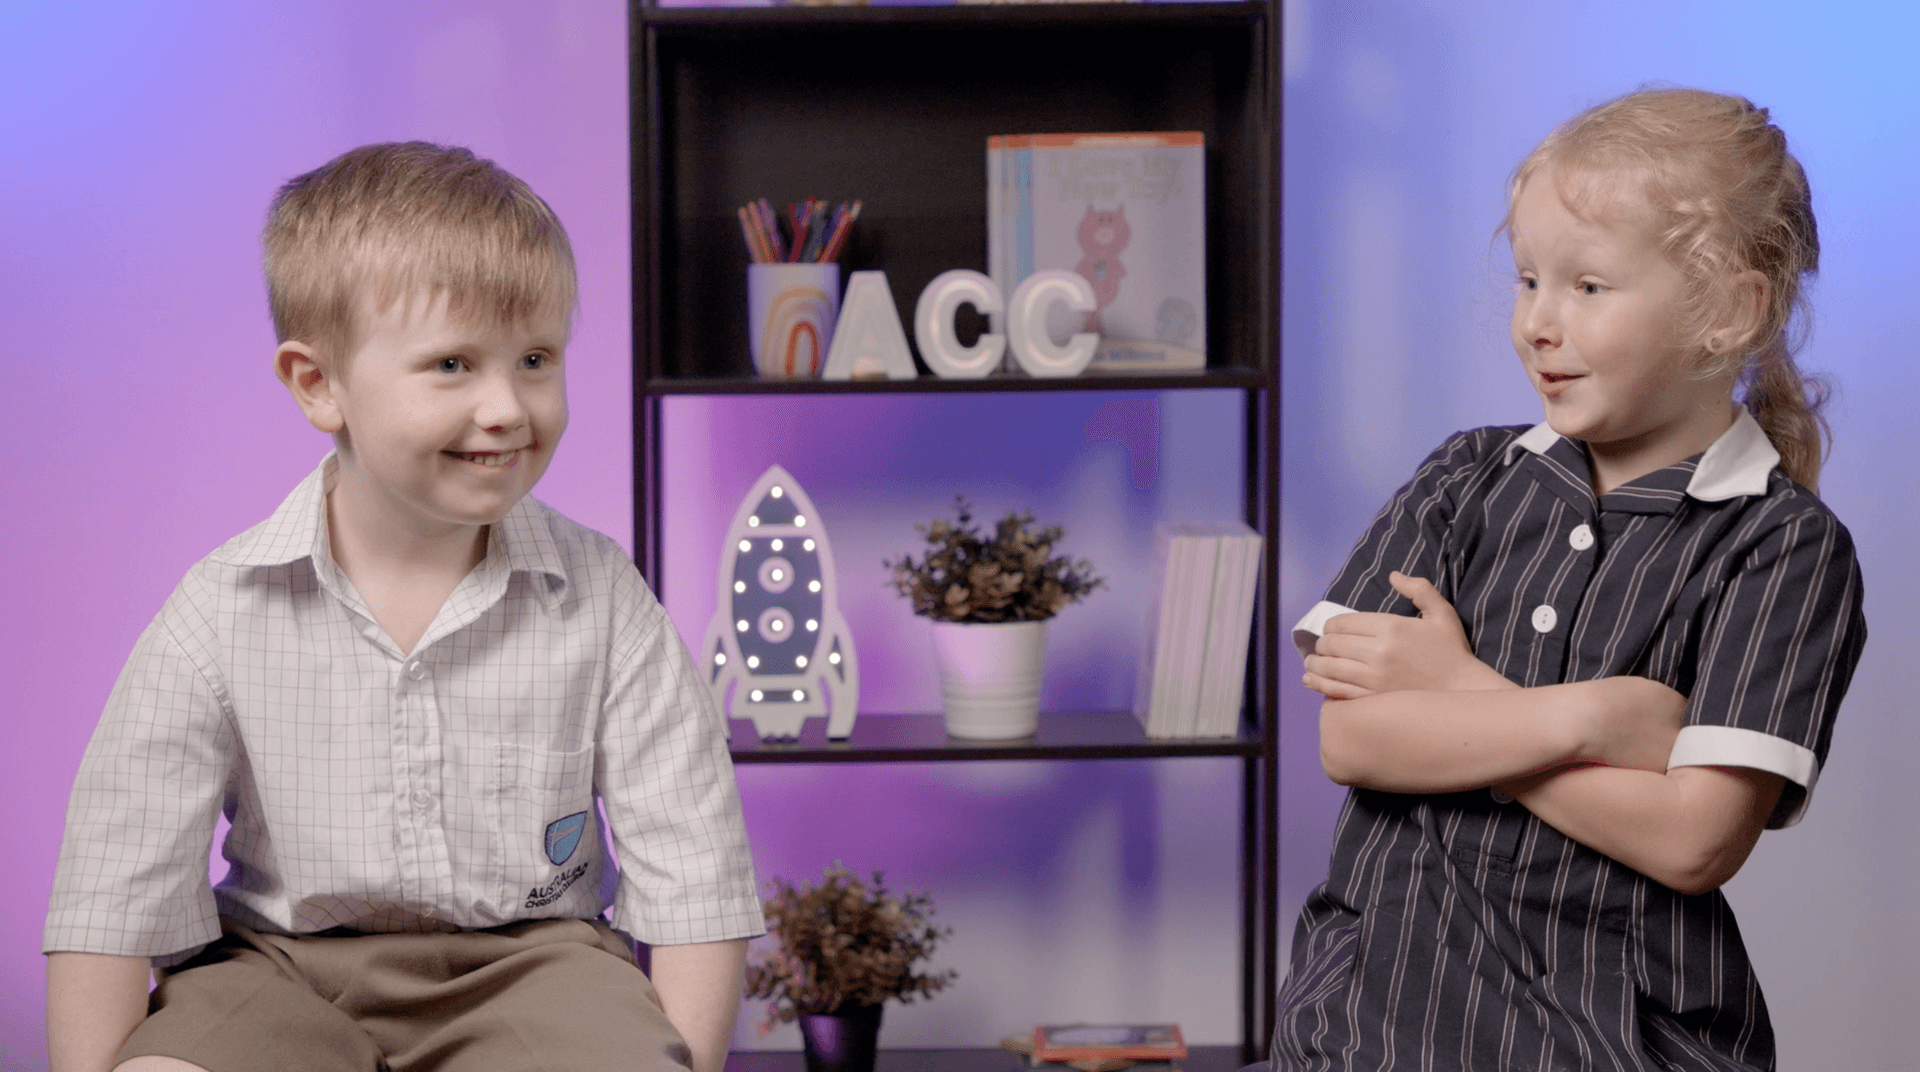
(1746,312)
(311,385)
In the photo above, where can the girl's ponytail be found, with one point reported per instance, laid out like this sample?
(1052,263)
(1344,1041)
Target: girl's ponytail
(1787,405)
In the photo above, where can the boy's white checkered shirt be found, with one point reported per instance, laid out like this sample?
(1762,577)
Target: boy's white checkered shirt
(376,790)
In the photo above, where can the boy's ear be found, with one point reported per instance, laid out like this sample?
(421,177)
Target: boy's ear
(310,384)
(1746,312)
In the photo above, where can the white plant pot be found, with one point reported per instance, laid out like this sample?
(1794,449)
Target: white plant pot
(990,677)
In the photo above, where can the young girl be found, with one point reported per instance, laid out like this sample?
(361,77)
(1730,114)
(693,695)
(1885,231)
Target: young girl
(1635,622)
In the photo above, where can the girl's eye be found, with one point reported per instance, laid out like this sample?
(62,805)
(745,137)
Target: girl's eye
(1529,283)
(1589,289)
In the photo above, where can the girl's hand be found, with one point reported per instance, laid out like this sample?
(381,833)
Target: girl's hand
(1361,654)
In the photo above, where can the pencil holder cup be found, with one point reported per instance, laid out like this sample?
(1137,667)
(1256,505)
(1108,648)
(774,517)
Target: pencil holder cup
(790,314)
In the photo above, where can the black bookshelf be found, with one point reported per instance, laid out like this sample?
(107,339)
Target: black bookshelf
(1230,379)
(1198,1059)
(923,739)
(893,105)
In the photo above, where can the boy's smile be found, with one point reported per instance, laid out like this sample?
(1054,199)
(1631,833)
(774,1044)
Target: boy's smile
(446,424)
(1598,321)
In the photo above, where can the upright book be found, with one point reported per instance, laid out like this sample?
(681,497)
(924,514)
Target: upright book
(1125,211)
(1167,693)
(1193,666)
(1223,672)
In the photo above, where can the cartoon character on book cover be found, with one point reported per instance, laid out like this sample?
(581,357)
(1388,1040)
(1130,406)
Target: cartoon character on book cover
(1102,235)
(1126,212)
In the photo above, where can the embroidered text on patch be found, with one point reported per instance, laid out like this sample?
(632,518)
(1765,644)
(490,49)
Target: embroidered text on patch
(549,893)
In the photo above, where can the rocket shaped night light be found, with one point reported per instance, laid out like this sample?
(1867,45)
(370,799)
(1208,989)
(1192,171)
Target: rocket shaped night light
(777,638)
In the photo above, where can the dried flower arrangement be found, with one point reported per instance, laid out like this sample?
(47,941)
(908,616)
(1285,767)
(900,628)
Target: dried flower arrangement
(1008,578)
(844,943)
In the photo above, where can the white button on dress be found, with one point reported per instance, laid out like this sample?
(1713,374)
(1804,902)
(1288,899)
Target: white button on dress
(1544,618)
(1580,538)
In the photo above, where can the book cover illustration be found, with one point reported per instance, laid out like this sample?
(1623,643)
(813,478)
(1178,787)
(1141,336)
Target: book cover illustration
(1125,211)
(1078,1042)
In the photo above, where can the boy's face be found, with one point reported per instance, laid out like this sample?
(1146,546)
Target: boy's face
(446,423)
(1598,321)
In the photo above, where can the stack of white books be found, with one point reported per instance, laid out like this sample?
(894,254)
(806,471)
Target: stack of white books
(1193,669)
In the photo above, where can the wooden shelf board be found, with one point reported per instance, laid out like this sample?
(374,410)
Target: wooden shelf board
(734,20)
(1198,1059)
(1226,378)
(923,738)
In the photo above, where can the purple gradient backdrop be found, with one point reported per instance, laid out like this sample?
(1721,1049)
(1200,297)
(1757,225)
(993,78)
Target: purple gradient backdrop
(141,428)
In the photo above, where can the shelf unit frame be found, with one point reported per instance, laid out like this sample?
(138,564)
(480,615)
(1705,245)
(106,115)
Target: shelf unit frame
(706,136)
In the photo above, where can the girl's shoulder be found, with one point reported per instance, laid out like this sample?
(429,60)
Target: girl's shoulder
(1477,448)
(1798,512)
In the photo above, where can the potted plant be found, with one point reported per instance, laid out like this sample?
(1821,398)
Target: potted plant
(989,598)
(844,946)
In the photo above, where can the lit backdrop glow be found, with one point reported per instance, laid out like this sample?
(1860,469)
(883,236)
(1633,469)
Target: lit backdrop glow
(140,428)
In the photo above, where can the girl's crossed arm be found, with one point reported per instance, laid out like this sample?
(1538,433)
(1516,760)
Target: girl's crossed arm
(1411,710)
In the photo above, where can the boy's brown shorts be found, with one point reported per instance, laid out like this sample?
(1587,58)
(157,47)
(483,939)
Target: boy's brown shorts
(559,994)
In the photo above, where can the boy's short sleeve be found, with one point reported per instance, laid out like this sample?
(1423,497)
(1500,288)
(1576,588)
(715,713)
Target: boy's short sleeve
(666,779)
(1409,535)
(1777,652)
(132,877)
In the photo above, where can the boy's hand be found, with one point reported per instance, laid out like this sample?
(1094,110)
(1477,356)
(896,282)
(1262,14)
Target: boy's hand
(1361,654)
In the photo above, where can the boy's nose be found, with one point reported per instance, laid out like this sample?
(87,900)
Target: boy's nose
(500,408)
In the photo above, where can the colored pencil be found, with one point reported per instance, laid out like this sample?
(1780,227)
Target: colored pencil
(839,238)
(815,232)
(755,248)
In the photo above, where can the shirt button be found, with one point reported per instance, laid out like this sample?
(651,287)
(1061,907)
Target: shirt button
(1498,796)
(422,798)
(1544,618)
(416,670)
(1580,538)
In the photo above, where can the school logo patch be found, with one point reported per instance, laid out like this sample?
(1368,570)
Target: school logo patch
(563,836)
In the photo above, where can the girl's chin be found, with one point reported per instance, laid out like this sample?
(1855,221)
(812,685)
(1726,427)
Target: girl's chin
(1566,424)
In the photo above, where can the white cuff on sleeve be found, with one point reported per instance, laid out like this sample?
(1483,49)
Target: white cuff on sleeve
(1730,746)
(1309,627)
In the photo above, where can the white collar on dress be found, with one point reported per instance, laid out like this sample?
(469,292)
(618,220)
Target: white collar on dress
(1737,463)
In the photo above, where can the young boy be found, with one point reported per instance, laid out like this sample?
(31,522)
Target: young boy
(408,689)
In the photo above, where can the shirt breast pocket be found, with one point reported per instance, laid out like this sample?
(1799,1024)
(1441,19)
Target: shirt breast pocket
(546,830)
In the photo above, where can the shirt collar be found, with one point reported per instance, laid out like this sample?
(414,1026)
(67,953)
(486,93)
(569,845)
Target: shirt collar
(297,530)
(1738,463)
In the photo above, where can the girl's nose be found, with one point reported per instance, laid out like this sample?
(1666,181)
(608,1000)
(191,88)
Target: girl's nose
(1538,324)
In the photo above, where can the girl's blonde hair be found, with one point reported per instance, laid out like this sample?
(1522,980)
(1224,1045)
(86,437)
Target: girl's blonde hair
(1728,198)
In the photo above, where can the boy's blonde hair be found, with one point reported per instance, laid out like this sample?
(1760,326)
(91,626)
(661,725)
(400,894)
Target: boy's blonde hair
(388,222)
(1728,197)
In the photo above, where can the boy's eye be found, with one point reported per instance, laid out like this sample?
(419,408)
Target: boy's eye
(1590,289)
(447,364)
(533,361)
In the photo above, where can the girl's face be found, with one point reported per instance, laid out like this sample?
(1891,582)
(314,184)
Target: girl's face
(1598,322)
